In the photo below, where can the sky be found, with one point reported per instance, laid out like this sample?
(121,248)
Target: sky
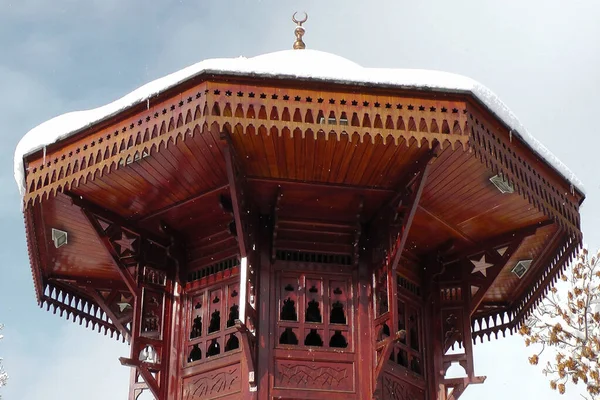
(540,57)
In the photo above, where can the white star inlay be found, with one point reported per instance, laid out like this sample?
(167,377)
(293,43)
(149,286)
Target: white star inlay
(481,266)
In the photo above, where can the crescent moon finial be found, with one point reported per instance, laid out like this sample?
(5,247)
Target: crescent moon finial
(300,22)
(299,31)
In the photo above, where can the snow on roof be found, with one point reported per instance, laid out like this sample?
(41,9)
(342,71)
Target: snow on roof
(305,64)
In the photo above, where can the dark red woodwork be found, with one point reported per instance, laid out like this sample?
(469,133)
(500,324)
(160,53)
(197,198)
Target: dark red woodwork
(270,239)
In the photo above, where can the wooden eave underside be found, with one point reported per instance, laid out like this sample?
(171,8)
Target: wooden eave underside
(166,163)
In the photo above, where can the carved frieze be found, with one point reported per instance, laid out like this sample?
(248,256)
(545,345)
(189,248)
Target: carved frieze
(216,383)
(395,389)
(314,375)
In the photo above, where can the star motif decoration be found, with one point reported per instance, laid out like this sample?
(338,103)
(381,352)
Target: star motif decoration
(481,266)
(125,243)
(123,304)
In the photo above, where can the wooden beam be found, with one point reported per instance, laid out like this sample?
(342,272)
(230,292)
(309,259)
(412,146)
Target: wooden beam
(116,219)
(460,384)
(494,242)
(386,346)
(129,280)
(85,283)
(413,172)
(446,225)
(113,317)
(408,219)
(144,371)
(275,226)
(358,231)
(183,203)
(249,357)
(235,191)
(322,185)
(316,223)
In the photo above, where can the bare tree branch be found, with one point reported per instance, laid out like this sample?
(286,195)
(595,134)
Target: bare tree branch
(3,374)
(570,326)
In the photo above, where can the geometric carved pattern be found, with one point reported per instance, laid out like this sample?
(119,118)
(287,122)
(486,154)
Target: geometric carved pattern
(217,383)
(452,321)
(394,389)
(314,375)
(119,145)
(152,313)
(493,148)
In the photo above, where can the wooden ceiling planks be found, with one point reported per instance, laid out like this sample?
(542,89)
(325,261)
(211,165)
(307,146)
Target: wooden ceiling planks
(507,285)
(83,256)
(163,178)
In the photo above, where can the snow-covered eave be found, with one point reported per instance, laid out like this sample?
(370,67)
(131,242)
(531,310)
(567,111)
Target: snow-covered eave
(476,91)
(214,72)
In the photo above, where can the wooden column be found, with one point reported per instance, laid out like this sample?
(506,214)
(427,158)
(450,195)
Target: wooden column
(364,332)
(264,309)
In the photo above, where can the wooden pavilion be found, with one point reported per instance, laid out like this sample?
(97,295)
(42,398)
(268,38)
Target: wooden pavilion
(280,235)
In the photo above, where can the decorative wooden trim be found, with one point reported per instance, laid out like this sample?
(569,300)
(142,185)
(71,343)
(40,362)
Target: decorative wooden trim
(66,302)
(489,249)
(557,265)
(34,254)
(161,125)
(496,151)
(104,304)
(509,320)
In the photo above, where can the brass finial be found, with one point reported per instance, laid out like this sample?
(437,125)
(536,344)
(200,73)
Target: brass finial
(299,31)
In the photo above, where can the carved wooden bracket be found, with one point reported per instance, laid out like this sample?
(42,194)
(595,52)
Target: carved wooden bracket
(248,351)
(384,350)
(115,298)
(239,206)
(145,369)
(458,386)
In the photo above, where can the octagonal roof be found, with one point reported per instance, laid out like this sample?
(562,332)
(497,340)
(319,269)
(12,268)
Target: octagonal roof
(303,65)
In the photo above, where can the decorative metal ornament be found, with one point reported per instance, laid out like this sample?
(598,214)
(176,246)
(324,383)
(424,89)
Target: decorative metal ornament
(299,31)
